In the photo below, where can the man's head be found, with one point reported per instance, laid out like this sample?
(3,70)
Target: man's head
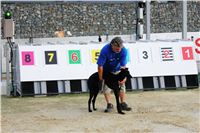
(117,44)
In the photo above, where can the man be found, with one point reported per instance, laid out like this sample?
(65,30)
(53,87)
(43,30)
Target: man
(112,58)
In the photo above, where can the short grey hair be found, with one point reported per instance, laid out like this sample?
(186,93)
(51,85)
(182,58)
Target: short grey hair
(117,41)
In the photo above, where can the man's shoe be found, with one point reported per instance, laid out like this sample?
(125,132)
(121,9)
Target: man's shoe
(125,107)
(109,107)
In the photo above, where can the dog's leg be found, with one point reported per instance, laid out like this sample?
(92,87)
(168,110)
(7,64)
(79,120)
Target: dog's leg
(93,100)
(89,101)
(119,109)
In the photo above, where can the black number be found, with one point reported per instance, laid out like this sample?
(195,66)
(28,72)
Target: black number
(145,54)
(27,58)
(97,55)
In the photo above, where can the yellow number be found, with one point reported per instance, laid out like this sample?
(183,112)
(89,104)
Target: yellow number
(50,56)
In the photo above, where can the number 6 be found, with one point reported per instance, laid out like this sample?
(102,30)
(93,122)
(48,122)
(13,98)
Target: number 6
(74,57)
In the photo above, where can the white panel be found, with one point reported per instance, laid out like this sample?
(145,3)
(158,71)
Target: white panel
(61,70)
(183,81)
(162,82)
(158,67)
(139,65)
(144,55)
(140,83)
(177,81)
(60,87)
(155,82)
(134,83)
(43,88)
(77,71)
(3,88)
(84,85)
(37,87)
(92,66)
(67,86)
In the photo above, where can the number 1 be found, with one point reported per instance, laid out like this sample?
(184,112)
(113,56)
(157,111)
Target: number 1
(188,53)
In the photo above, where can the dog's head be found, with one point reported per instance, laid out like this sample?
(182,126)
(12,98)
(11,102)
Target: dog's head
(125,73)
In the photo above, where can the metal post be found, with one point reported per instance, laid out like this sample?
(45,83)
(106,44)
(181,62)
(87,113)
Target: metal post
(8,85)
(184,32)
(13,69)
(0,65)
(148,19)
(140,20)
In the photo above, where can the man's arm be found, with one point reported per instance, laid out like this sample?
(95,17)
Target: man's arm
(101,81)
(100,72)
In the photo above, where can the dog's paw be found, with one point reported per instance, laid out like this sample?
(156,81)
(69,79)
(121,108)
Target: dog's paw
(95,109)
(89,110)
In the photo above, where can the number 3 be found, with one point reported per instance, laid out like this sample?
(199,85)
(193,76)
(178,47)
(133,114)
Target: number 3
(145,54)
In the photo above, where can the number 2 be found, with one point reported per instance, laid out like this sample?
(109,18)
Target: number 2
(166,54)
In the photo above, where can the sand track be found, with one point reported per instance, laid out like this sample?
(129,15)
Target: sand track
(153,111)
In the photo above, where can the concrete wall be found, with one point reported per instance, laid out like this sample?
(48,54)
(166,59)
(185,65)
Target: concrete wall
(42,19)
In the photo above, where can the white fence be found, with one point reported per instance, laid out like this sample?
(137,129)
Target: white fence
(66,63)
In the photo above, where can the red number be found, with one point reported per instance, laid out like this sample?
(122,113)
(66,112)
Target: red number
(197,42)
(187,53)
(74,57)
(166,54)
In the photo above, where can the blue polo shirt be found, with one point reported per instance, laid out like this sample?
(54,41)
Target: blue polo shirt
(110,60)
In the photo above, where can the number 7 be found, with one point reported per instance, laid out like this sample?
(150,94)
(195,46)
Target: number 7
(50,56)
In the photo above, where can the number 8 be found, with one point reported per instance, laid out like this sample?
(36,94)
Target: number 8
(27,58)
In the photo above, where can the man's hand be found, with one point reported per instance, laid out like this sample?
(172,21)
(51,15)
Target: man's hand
(123,81)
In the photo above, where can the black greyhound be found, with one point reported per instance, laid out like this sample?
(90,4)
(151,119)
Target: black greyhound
(111,81)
